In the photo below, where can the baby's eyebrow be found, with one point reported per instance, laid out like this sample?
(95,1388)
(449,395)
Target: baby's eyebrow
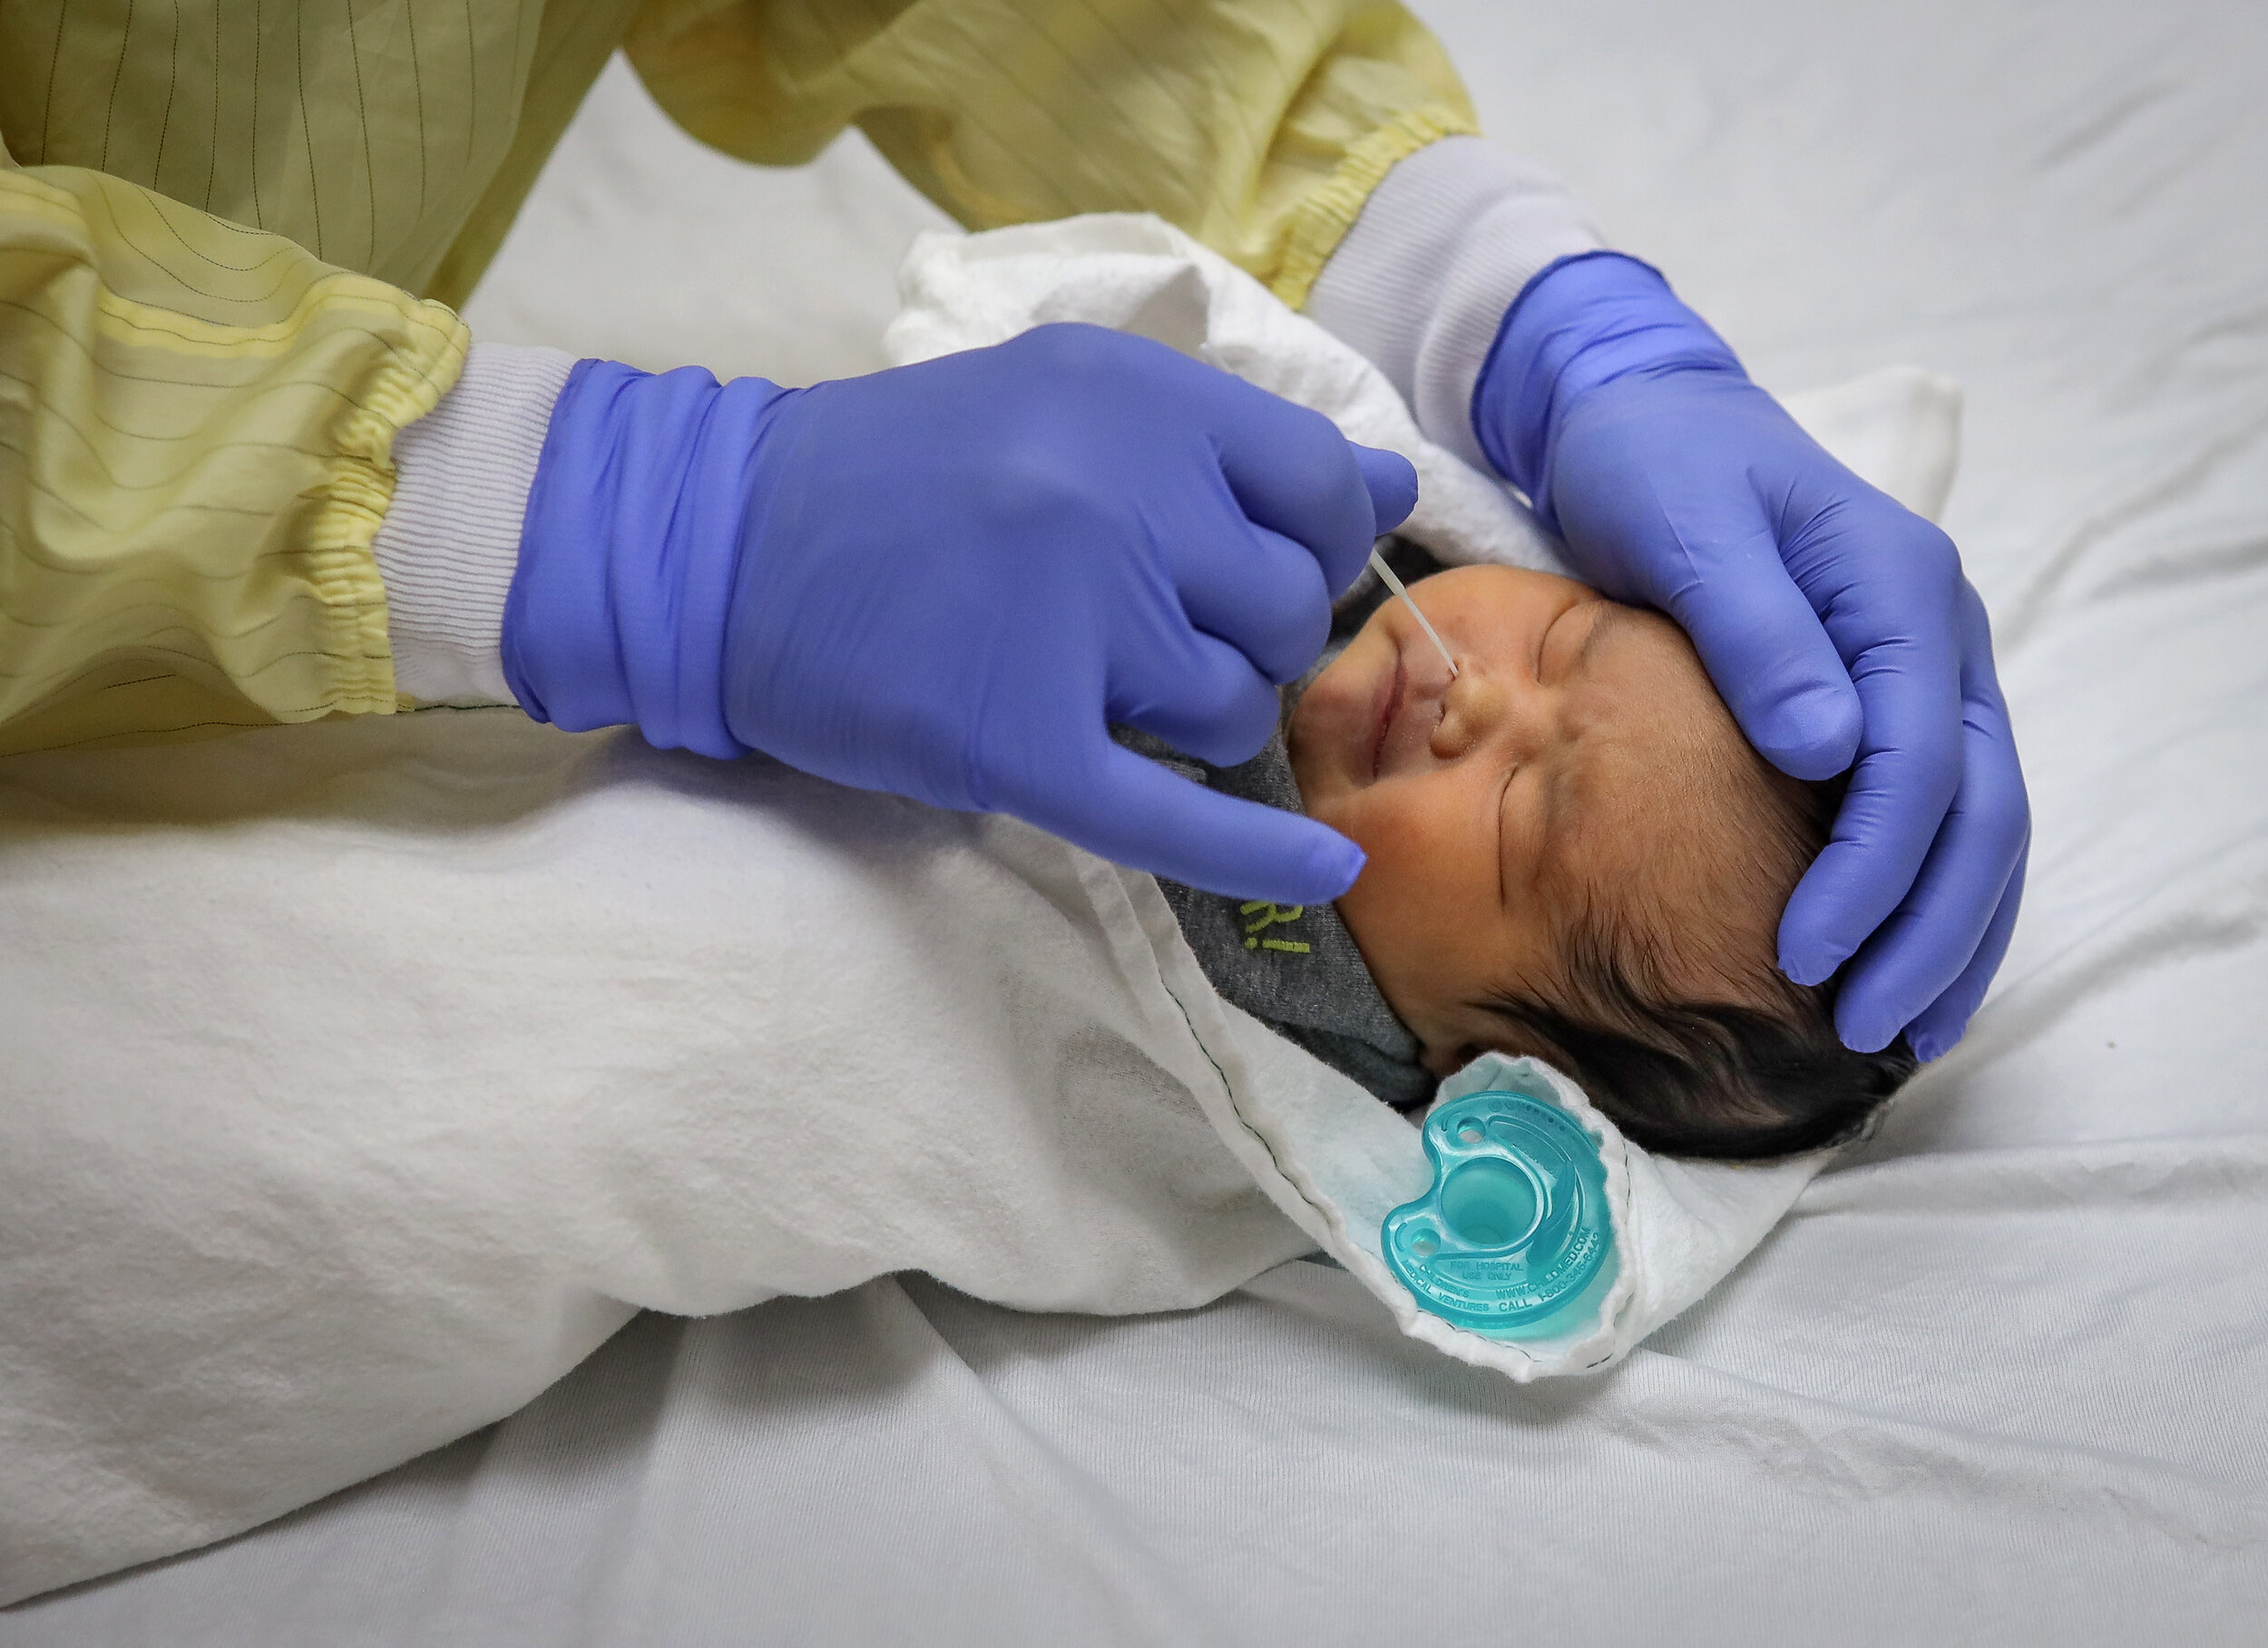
(1555,803)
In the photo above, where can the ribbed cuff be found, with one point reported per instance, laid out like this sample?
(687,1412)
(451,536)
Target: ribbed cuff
(620,614)
(1421,283)
(450,537)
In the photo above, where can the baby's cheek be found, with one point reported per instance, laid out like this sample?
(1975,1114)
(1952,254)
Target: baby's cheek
(1418,904)
(1402,840)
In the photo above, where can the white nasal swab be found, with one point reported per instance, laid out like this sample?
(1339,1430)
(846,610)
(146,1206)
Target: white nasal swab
(1393,583)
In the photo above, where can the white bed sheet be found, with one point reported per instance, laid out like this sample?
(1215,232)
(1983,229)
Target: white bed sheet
(2003,1377)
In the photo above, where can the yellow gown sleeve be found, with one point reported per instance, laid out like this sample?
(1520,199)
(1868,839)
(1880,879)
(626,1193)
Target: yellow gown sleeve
(1259,126)
(195,425)
(196,418)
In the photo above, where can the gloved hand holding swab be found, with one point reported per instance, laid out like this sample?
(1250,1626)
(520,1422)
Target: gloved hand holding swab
(818,574)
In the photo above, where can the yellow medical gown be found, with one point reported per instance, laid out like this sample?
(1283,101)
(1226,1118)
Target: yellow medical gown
(230,231)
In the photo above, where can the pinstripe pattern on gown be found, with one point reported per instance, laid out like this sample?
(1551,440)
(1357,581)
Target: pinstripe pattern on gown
(230,231)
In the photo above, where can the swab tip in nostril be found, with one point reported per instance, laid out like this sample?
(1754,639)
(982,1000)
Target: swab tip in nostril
(1395,584)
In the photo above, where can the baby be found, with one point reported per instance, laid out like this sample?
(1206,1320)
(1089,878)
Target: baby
(1573,852)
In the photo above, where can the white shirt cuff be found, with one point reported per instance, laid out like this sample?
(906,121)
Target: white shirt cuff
(451,538)
(1422,280)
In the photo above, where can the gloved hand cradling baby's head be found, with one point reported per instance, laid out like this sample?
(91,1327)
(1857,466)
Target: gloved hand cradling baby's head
(1574,853)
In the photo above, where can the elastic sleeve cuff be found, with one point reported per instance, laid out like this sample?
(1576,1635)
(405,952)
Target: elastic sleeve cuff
(451,538)
(1421,281)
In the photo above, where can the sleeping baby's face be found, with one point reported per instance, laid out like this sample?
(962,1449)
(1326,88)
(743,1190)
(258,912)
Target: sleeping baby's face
(1580,780)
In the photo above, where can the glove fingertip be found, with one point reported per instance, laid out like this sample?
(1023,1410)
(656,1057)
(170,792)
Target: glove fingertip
(1945,1021)
(1862,1033)
(1392,481)
(1931,1045)
(1322,864)
(1806,958)
(1140,814)
(1870,1012)
(1334,864)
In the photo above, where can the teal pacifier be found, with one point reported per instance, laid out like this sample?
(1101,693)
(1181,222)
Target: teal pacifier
(1513,1239)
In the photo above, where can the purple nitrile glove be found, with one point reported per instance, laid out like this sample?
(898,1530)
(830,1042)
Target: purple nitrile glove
(946,580)
(1837,624)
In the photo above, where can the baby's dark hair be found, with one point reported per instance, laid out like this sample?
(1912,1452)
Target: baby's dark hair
(1705,1077)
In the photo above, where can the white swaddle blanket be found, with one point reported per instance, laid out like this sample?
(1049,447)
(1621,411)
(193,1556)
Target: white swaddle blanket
(1681,1226)
(364,1077)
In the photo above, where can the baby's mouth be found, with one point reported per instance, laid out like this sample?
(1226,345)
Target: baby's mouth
(1391,688)
(1400,696)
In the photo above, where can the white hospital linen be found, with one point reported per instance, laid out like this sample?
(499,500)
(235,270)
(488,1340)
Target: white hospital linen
(627,1029)
(2003,1378)
(381,1074)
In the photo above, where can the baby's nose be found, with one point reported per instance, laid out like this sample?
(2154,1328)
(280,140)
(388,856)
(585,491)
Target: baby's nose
(1472,707)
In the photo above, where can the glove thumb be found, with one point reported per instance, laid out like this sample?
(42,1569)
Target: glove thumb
(1778,671)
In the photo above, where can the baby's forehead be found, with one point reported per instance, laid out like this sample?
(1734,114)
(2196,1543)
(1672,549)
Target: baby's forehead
(1639,691)
(1492,582)
(1669,815)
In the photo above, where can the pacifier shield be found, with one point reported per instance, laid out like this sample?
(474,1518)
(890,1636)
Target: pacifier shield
(1513,1239)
